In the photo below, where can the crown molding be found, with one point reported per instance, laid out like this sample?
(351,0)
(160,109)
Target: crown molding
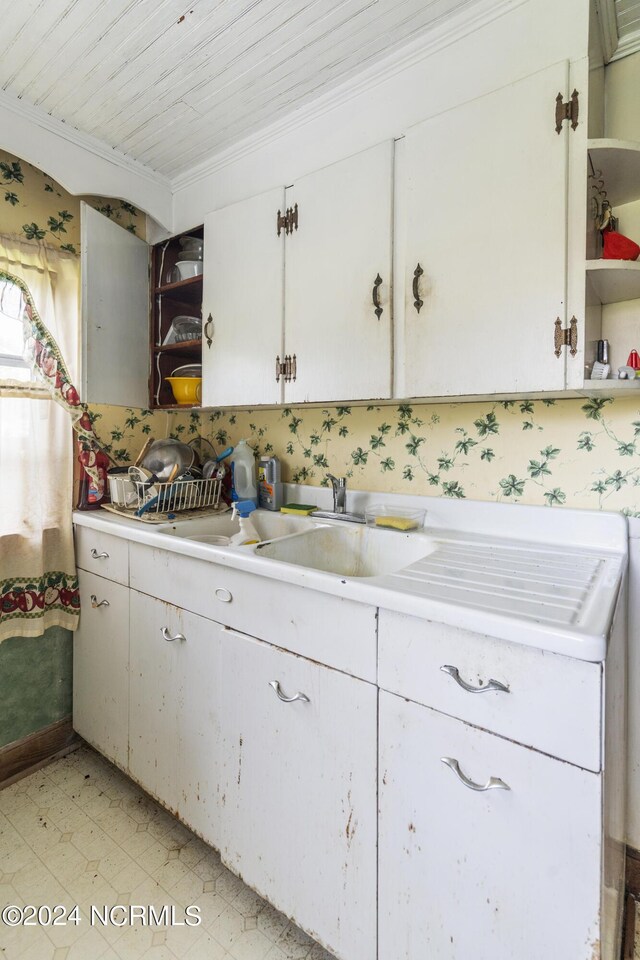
(605,10)
(626,47)
(85,141)
(434,40)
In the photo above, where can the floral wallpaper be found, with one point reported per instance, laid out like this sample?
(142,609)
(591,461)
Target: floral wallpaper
(35,207)
(574,453)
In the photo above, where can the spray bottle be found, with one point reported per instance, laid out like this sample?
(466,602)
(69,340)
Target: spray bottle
(248,533)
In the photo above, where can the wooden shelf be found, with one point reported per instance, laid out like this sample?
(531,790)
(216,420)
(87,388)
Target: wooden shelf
(176,406)
(184,348)
(611,388)
(614,280)
(619,163)
(189,290)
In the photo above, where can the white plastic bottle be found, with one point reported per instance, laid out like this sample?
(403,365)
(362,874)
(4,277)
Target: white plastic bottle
(248,533)
(243,473)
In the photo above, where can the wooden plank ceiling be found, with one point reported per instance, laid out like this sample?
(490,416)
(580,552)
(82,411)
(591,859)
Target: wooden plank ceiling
(171,83)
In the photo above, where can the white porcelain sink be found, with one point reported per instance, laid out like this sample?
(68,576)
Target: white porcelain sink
(350,551)
(208,529)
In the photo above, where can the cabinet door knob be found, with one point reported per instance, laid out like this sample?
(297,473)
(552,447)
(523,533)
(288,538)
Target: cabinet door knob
(417,302)
(98,556)
(95,604)
(375,296)
(224,595)
(491,685)
(208,331)
(167,636)
(297,696)
(493,783)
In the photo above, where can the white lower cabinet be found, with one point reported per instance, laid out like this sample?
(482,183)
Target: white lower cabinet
(488,874)
(101,667)
(173,715)
(286,789)
(298,790)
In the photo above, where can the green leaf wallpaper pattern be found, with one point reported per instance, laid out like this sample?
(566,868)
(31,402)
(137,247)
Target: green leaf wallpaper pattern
(572,453)
(37,208)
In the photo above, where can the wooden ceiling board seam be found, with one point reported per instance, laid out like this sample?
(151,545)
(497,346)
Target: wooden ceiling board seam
(71,51)
(60,36)
(103,95)
(240,57)
(94,63)
(253,120)
(333,39)
(266,60)
(24,51)
(167,93)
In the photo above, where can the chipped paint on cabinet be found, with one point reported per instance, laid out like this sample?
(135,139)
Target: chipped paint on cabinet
(491,875)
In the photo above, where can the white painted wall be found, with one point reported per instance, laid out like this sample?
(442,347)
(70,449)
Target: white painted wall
(81,164)
(622,117)
(621,325)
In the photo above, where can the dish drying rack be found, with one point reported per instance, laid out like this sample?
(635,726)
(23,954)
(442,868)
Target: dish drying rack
(161,500)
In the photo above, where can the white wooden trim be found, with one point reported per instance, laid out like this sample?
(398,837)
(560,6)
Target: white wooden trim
(82,164)
(605,10)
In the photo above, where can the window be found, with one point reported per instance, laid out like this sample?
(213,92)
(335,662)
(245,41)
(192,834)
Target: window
(12,364)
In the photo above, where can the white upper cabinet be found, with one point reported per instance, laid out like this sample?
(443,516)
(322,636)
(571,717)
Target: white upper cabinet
(297,289)
(338,280)
(243,302)
(115,313)
(484,201)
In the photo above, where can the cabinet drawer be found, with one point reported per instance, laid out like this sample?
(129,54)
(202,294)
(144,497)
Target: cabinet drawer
(102,553)
(553,703)
(339,633)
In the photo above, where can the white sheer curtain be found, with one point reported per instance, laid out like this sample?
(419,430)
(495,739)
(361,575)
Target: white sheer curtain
(38,586)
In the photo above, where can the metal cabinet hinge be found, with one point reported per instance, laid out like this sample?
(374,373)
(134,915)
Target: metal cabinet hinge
(288,222)
(287,368)
(565,338)
(567,111)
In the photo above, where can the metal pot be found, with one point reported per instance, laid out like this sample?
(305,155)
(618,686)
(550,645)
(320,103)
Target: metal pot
(163,456)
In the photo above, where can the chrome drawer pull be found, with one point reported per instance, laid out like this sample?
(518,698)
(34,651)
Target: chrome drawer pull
(167,636)
(95,604)
(297,696)
(224,595)
(491,685)
(98,556)
(493,783)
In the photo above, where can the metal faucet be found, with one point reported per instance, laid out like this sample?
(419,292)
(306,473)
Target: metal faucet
(339,511)
(339,485)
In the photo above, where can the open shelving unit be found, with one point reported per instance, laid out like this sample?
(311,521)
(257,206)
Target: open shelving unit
(171,298)
(617,167)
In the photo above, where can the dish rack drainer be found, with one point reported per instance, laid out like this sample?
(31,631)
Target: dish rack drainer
(176,497)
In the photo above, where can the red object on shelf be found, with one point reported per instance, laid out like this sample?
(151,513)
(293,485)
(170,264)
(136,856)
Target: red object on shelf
(633,360)
(619,247)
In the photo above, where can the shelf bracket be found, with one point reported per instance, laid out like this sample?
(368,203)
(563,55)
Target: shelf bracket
(567,111)
(567,337)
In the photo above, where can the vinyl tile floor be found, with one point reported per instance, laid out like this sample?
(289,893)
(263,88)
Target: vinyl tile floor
(80,832)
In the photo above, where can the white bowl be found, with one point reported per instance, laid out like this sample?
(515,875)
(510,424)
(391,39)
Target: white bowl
(189,268)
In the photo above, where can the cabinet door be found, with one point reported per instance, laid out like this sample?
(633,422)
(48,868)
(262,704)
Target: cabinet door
(486,223)
(491,875)
(173,726)
(334,257)
(115,313)
(243,295)
(101,667)
(298,791)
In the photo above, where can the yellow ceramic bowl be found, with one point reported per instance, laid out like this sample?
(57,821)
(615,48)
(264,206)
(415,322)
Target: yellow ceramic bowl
(186,390)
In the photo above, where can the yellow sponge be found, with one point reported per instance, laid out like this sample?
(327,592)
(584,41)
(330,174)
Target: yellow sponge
(302,509)
(398,523)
